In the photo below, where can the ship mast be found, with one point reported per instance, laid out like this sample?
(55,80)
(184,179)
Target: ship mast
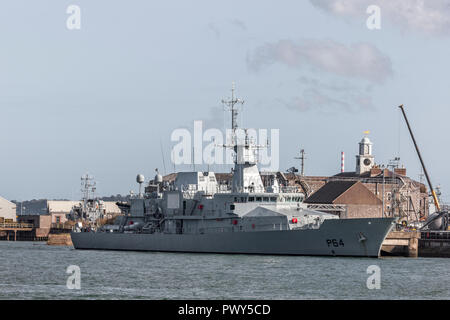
(88,190)
(246,177)
(234,113)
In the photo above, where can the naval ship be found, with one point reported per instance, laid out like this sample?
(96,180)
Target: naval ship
(196,213)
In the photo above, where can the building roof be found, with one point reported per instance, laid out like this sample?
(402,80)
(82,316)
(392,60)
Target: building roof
(111,207)
(353,174)
(61,205)
(7,202)
(170,177)
(330,192)
(66,206)
(365,140)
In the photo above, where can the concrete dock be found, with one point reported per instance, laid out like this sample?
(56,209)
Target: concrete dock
(401,243)
(434,244)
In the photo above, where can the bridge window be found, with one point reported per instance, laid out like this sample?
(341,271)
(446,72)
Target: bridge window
(251,199)
(258,199)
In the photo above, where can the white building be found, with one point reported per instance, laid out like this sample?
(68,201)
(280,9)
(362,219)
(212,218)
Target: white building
(7,210)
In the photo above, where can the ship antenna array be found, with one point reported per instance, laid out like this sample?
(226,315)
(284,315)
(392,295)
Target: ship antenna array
(88,186)
(231,104)
(234,113)
(302,159)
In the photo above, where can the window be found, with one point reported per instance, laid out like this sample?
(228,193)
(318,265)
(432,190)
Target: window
(258,199)
(273,199)
(251,199)
(232,206)
(266,199)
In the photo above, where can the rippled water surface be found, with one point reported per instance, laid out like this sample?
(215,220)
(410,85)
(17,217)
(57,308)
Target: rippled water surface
(34,270)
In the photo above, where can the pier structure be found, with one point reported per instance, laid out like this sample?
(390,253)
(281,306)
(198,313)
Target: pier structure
(14,227)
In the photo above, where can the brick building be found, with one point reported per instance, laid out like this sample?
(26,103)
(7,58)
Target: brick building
(359,201)
(402,196)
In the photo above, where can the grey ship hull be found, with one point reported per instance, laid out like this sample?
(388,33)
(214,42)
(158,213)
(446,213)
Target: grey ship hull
(335,237)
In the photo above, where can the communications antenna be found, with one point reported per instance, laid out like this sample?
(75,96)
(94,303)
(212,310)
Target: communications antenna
(88,189)
(302,161)
(88,186)
(234,111)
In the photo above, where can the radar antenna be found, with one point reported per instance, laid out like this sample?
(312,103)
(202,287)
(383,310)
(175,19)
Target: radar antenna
(302,159)
(231,104)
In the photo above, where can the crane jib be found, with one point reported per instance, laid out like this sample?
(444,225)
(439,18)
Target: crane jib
(433,193)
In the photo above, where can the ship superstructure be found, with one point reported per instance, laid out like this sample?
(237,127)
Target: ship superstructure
(90,209)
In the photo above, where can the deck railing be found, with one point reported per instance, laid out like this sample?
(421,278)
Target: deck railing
(15,225)
(59,225)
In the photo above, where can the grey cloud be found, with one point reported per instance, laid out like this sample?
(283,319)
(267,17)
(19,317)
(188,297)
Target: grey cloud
(214,29)
(430,17)
(328,98)
(359,60)
(239,24)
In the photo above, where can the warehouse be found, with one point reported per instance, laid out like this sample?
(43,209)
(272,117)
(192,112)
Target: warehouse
(7,211)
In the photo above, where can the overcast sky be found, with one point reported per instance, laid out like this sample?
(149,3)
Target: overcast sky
(105,99)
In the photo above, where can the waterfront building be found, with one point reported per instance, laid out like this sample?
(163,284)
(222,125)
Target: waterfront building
(7,211)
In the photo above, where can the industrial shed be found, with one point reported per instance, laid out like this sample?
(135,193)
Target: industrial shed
(58,209)
(7,211)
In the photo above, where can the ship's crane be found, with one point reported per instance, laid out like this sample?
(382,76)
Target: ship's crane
(439,212)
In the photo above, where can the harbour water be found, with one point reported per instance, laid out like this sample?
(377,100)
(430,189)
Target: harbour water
(34,270)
